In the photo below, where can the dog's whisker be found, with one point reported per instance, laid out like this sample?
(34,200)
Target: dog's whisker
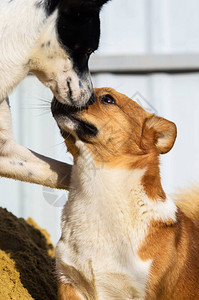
(69,134)
(39,106)
(58,145)
(43,113)
(45,99)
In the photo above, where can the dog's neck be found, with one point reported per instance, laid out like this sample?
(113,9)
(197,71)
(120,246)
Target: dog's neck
(110,214)
(121,187)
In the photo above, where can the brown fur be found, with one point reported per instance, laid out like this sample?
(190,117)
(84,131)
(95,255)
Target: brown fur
(188,201)
(175,268)
(67,292)
(129,137)
(85,287)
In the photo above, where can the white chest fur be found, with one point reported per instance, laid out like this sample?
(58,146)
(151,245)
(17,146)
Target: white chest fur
(103,225)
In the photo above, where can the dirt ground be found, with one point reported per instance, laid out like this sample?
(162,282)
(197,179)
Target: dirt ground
(27,267)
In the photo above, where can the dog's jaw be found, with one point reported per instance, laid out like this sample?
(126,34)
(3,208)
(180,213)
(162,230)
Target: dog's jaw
(67,125)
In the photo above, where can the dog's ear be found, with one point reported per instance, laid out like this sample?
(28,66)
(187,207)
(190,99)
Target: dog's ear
(159,132)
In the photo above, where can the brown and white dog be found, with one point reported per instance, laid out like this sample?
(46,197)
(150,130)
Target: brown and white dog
(122,237)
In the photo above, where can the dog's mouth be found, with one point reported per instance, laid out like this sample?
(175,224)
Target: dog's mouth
(70,122)
(60,109)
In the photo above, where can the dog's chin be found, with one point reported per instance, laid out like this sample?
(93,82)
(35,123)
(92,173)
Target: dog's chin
(69,121)
(73,125)
(66,125)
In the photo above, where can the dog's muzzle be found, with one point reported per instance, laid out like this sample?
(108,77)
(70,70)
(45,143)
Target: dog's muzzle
(59,108)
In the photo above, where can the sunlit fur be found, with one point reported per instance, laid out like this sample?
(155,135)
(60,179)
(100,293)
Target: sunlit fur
(20,163)
(188,201)
(53,39)
(122,237)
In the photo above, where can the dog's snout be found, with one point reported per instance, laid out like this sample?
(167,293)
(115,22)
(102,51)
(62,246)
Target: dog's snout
(74,91)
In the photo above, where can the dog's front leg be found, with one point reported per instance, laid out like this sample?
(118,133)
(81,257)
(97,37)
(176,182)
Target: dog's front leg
(20,163)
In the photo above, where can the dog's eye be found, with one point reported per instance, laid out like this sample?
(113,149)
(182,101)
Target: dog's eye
(107,99)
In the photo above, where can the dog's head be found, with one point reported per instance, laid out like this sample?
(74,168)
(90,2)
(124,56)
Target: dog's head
(115,129)
(60,58)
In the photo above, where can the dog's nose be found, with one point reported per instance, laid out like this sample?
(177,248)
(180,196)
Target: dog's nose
(91,100)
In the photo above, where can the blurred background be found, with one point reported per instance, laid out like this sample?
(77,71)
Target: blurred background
(149,50)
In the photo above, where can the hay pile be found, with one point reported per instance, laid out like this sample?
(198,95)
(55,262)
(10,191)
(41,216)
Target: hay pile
(26,260)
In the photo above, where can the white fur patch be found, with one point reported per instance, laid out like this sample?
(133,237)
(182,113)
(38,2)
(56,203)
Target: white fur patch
(104,223)
(20,27)
(66,124)
(29,42)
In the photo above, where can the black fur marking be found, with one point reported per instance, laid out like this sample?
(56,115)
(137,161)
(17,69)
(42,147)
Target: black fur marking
(60,109)
(80,84)
(70,93)
(51,5)
(46,44)
(12,162)
(78,33)
(78,28)
(91,100)
(85,129)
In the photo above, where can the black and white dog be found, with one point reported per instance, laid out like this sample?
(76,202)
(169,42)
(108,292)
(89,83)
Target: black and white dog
(52,39)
